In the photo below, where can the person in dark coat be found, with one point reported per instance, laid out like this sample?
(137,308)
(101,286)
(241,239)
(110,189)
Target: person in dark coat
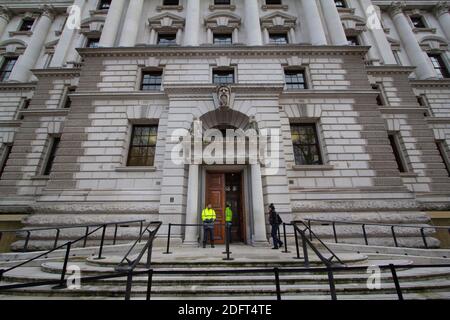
(275,221)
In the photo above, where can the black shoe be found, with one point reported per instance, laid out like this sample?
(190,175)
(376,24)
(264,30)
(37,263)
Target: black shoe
(275,248)
(212,246)
(204,246)
(281,244)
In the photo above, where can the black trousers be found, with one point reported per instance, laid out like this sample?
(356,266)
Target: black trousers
(208,230)
(274,233)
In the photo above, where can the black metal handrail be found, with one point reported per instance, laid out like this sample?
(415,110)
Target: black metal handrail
(69,244)
(276,271)
(227,240)
(58,229)
(364,224)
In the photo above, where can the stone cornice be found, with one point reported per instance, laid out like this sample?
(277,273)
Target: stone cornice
(10,123)
(60,72)
(16,86)
(431,83)
(202,51)
(389,69)
(118,95)
(311,93)
(440,120)
(207,89)
(45,112)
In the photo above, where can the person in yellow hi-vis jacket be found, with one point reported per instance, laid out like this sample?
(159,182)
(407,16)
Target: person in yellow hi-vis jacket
(228,220)
(208,218)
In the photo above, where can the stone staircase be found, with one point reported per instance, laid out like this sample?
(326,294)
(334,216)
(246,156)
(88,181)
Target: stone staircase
(416,283)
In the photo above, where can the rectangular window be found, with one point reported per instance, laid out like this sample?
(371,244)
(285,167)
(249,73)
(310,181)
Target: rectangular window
(223,76)
(393,139)
(54,144)
(167,38)
(92,43)
(171,2)
(27,24)
(104,4)
(142,146)
(418,22)
(222,2)
(68,101)
(223,38)
(5,157)
(306,144)
(278,38)
(295,79)
(380,99)
(439,65)
(7,67)
(340,3)
(353,41)
(151,80)
(444,154)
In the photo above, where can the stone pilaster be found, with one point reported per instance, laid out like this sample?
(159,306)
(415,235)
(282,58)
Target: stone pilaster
(131,25)
(252,24)
(443,15)
(5,16)
(192,29)
(259,219)
(28,59)
(334,23)
(424,69)
(314,23)
(191,233)
(112,23)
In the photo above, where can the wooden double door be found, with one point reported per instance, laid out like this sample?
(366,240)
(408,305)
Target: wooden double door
(222,188)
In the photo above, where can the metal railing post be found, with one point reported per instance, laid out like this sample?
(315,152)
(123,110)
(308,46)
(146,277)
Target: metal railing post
(25,246)
(277,283)
(85,237)
(227,242)
(394,236)
(296,243)
(128,285)
(149,255)
(115,233)
(305,249)
(331,283)
(141,223)
(365,234)
(100,251)
(310,230)
(396,282)
(149,284)
(424,238)
(56,238)
(168,240)
(61,284)
(285,239)
(334,232)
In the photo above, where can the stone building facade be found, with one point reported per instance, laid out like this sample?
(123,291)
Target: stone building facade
(356,91)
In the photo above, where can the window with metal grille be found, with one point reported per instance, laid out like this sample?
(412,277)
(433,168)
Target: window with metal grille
(142,146)
(295,79)
(104,4)
(167,38)
(278,38)
(223,38)
(340,3)
(444,154)
(223,76)
(27,24)
(92,43)
(418,22)
(151,80)
(393,140)
(7,67)
(171,2)
(54,144)
(306,144)
(5,157)
(439,65)
(222,2)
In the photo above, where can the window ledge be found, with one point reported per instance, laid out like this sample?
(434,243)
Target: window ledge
(346,10)
(20,33)
(274,7)
(321,167)
(99,11)
(136,169)
(222,7)
(160,8)
(417,30)
(40,177)
(408,175)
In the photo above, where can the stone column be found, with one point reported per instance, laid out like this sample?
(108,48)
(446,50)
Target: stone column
(152,36)
(67,36)
(235,35)
(131,26)
(73,55)
(28,59)
(441,12)
(366,41)
(266,36)
(381,42)
(5,16)
(259,219)
(111,27)
(192,29)
(191,233)
(314,23)
(252,24)
(334,23)
(424,69)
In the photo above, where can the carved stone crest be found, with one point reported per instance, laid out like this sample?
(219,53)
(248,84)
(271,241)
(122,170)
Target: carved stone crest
(224,96)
